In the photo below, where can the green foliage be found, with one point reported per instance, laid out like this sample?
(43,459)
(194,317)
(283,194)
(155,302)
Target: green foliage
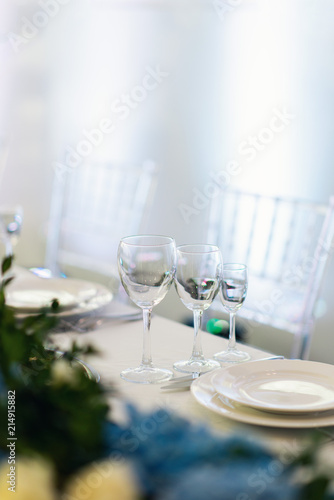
(61,419)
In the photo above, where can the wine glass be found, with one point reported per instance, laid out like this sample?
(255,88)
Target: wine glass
(10,226)
(197,279)
(146,265)
(233,292)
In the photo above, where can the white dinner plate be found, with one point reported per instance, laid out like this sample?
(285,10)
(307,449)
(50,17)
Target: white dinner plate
(204,392)
(28,295)
(280,386)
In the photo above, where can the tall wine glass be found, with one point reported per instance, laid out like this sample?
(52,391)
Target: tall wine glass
(233,292)
(198,274)
(146,265)
(10,226)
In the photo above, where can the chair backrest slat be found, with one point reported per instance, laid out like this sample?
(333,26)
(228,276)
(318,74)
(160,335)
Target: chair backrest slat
(291,222)
(252,228)
(275,209)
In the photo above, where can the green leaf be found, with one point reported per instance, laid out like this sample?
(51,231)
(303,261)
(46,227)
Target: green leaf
(316,489)
(55,305)
(6,281)
(7,263)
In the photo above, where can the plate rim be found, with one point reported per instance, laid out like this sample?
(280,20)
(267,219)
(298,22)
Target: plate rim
(253,416)
(227,391)
(101,298)
(33,308)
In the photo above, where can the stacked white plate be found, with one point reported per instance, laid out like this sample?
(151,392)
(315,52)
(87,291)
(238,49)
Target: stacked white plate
(28,294)
(278,393)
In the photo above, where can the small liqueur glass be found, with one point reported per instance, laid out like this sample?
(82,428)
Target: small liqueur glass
(233,291)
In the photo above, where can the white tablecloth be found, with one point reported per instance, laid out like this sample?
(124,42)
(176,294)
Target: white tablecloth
(120,344)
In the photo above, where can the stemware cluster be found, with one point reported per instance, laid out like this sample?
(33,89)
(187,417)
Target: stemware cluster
(149,264)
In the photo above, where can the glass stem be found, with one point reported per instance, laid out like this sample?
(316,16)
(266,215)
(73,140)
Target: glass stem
(9,248)
(197,347)
(231,339)
(147,357)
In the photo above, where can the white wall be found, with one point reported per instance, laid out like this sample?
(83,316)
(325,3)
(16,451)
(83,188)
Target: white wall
(227,73)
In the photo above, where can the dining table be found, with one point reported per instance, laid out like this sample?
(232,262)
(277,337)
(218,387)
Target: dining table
(119,345)
(162,428)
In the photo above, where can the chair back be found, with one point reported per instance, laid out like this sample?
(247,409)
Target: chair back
(285,243)
(93,206)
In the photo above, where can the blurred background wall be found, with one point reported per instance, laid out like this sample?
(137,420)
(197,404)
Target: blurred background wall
(220,70)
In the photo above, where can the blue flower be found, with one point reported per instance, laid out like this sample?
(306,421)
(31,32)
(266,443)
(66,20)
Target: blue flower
(177,460)
(242,480)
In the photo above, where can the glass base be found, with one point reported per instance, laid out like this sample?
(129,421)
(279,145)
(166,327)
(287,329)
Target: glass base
(146,375)
(232,356)
(196,366)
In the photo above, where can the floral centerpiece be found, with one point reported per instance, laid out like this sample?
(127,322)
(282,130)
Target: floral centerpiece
(57,441)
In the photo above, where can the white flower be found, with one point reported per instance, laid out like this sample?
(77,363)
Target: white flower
(303,474)
(62,372)
(103,481)
(324,462)
(32,479)
(323,466)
